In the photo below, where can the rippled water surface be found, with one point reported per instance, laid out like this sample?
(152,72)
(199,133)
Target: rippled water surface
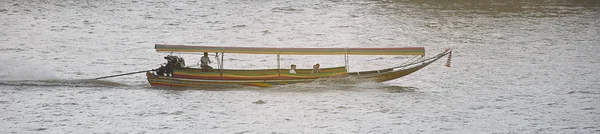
(518,66)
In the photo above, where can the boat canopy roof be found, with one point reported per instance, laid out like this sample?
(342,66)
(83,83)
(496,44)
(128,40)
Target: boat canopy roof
(292,51)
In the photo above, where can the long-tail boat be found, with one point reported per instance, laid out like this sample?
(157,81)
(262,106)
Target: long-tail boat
(220,77)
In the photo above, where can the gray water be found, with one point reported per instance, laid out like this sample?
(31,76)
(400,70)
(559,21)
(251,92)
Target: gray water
(518,66)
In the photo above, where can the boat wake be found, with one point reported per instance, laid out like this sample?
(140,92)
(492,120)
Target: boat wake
(35,74)
(61,83)
(23,70)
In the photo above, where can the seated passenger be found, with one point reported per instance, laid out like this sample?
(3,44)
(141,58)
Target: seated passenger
(315,69)
(204,63)
(293,70)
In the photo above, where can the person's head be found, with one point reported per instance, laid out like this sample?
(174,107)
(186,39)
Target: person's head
(205,53)
(316,66)
(293,67)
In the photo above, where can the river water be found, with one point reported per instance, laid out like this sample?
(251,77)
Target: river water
(518,66)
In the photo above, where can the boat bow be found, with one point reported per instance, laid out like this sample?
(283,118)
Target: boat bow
(398,71)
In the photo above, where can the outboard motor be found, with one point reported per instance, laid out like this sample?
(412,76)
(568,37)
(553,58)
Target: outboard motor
(173,62)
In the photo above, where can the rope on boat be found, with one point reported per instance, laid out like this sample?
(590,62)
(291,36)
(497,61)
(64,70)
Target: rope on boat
(448,51)
(413,58)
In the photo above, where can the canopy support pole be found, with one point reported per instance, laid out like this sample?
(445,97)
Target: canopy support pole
(221,65)
(346,60)
(278,66)
(218,61)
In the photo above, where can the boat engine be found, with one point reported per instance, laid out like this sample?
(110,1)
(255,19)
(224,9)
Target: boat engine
(173,62)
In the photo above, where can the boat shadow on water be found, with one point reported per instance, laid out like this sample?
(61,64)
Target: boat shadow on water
(354,87)
(173,88)
(346,84)
(399,89)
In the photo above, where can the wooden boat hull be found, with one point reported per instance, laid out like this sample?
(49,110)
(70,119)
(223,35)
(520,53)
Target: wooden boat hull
(185,79)
(169,81)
